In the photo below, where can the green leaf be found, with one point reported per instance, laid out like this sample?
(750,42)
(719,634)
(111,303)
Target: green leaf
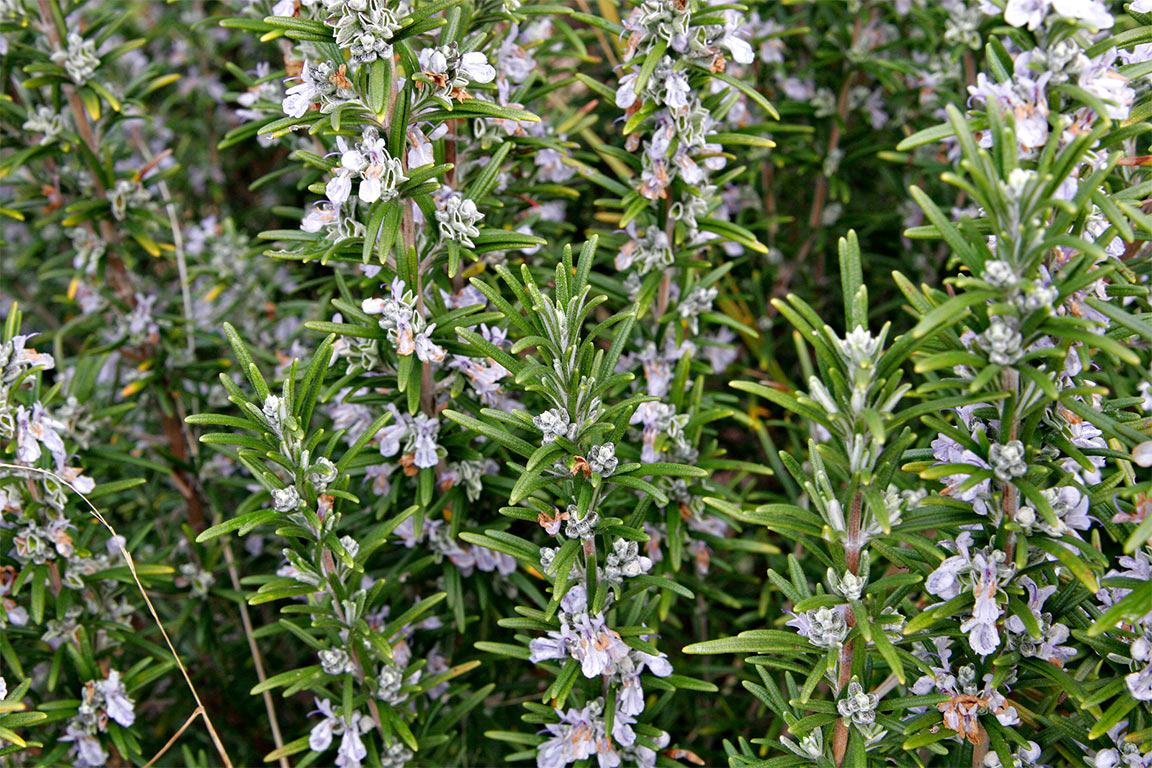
(291,748)
(691,684)
(489,175)
(669,470)
(755,641)
(287,678)
(379,73)
(948,231)
(927,136)
(493,433)
(665,582)
(1070,559)
(247,521)
(950,312)
(503,649)
(754,95)
(1136,603)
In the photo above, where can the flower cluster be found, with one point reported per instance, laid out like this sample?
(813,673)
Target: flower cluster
(851,378)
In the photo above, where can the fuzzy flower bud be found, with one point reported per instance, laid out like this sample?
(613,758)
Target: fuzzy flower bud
(857,705)
(999,274)
(1002,341)
(581,529)
(554,423)
(335,661)
(286,499)
(602,459)
(1008,460)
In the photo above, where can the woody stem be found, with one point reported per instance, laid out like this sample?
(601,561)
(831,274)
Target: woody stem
(408,233)
(328,565)
(665,290)
(1010,500)
(117,273)
(847,651)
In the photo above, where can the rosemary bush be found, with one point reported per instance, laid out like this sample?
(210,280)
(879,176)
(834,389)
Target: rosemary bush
(638,383)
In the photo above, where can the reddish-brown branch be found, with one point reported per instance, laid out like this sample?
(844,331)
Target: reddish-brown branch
(665,291)
(114,270)
(820,196)
(847,651)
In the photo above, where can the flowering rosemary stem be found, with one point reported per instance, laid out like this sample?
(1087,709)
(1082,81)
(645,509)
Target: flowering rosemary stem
(847,651)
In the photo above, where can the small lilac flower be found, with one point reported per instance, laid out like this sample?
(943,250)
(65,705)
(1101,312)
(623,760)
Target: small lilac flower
(35,427)
(351,751)
(424,432)
(1048,646)
(89,753)
(116,702)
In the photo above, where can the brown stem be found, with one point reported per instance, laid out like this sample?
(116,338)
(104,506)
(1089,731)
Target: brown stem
(847,651)
(980,748)
(174,432)
(1010,497)
(328,566)
(820,197)
(408,232)
(665,291)
(116,272)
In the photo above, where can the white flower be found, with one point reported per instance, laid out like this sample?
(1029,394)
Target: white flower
(515,63)
(364,27)
(380,174)
(452,72)
(421,152)
(677,91)
(625,561)
(740,49)
(299,98)
(1028,13)
(858,346)
(850,587)
(339,188)
(35,427)
(1008,460)
(857,704)
(351,750)
(116,702)
(626,91)
(602,459)
(426,350)
(89,753)
(1142,454)
(476,67)
(999,273)
(1094,12)
(1002,341)
(554,423)
(824,627)
(320,217)
(425,429)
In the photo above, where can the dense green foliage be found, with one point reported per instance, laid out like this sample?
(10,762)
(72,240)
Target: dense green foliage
(461,382)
